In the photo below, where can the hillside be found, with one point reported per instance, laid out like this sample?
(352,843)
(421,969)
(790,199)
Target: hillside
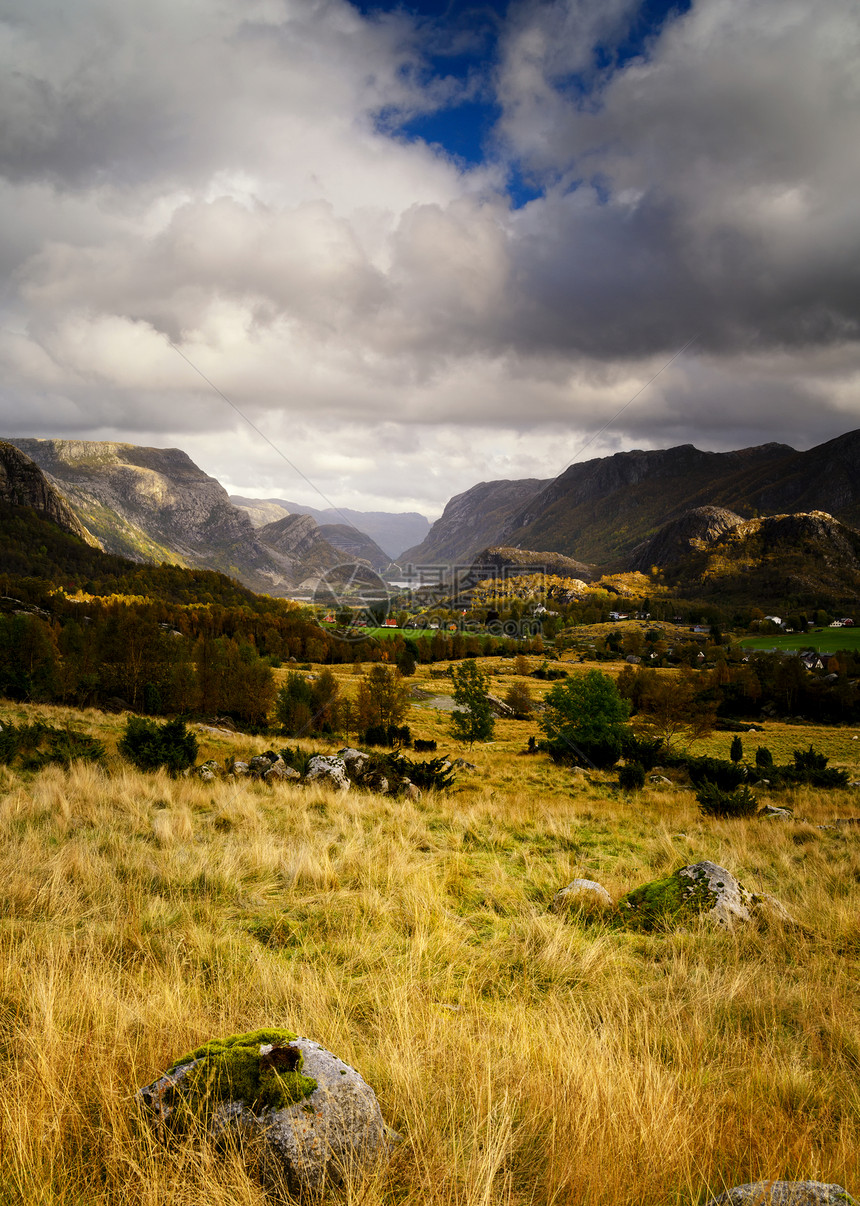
(472,521)
(805,559)
(678,538)
(297,544)
(23,484)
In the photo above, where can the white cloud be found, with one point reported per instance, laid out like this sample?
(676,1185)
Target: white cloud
(214,175)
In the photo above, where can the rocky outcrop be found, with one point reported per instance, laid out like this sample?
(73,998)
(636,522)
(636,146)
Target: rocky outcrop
(505,562)
(695,529)
(354,545)
(327,771)
(785,1193)
(310,1118)
(155,504)
(471,521)
(23,484)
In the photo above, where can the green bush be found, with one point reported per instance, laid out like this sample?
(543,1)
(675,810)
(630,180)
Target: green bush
(631,776)
(149,745)
(725,775)
(646,750)
(433,773)
(763,758)
(715,802)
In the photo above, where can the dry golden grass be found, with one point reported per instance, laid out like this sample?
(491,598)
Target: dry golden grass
(524,1058)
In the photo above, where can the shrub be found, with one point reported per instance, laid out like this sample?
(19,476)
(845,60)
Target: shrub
(647,750)
(736,751)
(715,802)
(149,745)
(387,734)
(763,758)
(631,776)
(725,775)
(583,720)
(435,773)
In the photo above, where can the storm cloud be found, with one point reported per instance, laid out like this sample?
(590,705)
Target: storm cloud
(236,180)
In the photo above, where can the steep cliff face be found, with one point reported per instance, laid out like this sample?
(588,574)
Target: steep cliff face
(23,484)
(155,504)
(695,529)
(471,521)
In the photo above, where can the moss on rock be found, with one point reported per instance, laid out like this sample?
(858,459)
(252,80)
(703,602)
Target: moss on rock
(246,1068)
(683,894)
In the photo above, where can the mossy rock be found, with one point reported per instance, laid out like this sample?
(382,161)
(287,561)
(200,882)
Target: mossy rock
(303,1116)
(262,1069)
(700,889)
(785,1193)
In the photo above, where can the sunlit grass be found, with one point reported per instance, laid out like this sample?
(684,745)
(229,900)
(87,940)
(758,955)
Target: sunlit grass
(524,1058)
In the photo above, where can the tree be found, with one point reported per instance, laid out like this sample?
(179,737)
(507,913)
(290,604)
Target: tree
(674,706)
(382,697)
(519,699)
(584,719)
(736,752)
(473,719)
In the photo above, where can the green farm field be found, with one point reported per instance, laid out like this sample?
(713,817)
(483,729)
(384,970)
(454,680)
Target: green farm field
(822,640)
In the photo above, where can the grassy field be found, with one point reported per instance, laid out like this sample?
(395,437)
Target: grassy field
(524,1057)
(822,640)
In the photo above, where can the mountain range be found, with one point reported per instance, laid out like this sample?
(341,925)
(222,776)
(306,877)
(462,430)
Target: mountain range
(756,520)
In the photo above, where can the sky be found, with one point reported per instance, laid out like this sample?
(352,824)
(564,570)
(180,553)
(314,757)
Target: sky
(373,253)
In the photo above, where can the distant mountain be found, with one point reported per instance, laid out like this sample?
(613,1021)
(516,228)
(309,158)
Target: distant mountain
(602,509)
(472,521)
(23,484)
(391,531)
(805,559)
(297,543)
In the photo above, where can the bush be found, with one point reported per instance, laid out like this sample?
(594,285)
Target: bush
(725,775)
(736,753)
(715,802)
(631,776)
(149,745)
(583,720)
(387,734)
(763,758)
(435,773)
(647,750)
(64,746)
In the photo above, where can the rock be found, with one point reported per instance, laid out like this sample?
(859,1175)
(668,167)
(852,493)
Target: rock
(581,894)
(329,770)
(660,779)
(462,764)
(311,1118)
(781,814)
(410,790)
(239,768)
(633,659)
(784,1193)
(700,889)
(279,771)
(355,761)
(499,706)
(207,771)
(261,763)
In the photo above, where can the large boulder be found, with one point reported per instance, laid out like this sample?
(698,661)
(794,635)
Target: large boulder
(326,769)
(785,1193)
(700,889)
(309,1118)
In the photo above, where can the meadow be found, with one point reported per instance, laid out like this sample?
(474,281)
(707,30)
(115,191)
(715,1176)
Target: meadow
(523,1056)
(822,640)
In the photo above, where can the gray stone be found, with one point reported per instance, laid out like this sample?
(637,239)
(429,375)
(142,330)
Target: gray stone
(581,893)
(327,770)
(239,768)
(280,772)
(700,889)
(780,814)
(333,1134)
(355,761)
(784,1193)
(660,779)
(462,764)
